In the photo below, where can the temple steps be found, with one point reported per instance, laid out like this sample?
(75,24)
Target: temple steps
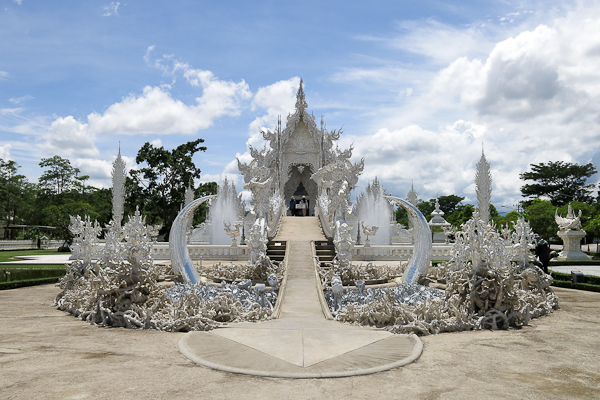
(325,251)
(276,250)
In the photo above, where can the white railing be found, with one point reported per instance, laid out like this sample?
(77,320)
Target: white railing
(396,252)
(324,219)
(160,251)
(29,244)
(276,221)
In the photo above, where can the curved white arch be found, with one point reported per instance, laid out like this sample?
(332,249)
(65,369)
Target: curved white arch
(180,257)
(419,262)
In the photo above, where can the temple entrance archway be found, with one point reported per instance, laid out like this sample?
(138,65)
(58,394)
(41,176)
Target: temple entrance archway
(299,184)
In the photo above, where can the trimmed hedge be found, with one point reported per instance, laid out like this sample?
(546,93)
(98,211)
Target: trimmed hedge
(579,286)
(574,262)
(28,282)
(27,274)
(589,279)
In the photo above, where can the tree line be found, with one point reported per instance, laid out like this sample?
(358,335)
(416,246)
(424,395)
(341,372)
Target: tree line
(158,183)
(547,187)
(156,187)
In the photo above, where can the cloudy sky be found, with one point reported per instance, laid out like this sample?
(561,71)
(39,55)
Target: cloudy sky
(418,87)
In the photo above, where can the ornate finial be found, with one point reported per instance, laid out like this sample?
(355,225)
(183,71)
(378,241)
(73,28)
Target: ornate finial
(483,187)
(300,100)
(412,196)
(118,188)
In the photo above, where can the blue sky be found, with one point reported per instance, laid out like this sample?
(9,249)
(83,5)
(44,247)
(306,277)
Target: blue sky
(417,86)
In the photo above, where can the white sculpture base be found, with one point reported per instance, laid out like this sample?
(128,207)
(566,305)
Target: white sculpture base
(572,245)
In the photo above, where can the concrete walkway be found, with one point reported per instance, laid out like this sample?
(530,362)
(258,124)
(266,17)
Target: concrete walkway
(300,228)
(47,259)
(47,354)
(301,343)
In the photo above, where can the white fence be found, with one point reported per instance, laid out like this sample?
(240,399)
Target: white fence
(29,244)
(160,251)
(397,252)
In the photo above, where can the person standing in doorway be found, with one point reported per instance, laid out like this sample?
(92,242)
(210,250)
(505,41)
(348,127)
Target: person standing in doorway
(292,206)
(304,202)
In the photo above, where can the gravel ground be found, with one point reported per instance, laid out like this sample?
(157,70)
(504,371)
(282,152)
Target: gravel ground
(45,353)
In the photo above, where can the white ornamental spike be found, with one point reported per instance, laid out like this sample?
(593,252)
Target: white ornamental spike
(483,187)
(118,189)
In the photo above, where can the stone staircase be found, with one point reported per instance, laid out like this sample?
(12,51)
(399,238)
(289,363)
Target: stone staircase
(276,250)
(325,251)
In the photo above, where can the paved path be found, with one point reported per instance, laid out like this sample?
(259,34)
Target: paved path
(47,354)
(300,228)
(48,259)
(301,343)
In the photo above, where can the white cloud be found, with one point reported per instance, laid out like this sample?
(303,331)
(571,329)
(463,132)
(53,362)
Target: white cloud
(19,100)
(19,2)
(156,143)
(5,151)
(69,137)
(230,172)
(3,75)
(278,99)
(111,9)
(155,111)
(531,99)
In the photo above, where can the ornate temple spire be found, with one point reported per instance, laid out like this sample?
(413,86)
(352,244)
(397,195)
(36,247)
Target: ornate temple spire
(300,100)
(483,187)
(412,196)
(118,188)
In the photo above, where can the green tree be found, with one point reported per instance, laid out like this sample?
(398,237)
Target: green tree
(461,214)
(60,176)
(559,181)
(158,187)
(16,194)
(540,215)
(509,219)
(592,228)
(448,204)
(59,214)
(203,189)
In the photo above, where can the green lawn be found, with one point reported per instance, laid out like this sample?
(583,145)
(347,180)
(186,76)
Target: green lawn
(24,266)
(9,255)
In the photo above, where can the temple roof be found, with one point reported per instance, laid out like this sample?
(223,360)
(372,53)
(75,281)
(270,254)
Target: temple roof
(300,114)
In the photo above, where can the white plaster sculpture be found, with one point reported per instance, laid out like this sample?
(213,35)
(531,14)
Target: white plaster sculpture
(85,239)
(118,189)
(523,240)
(494,295)
(233,232)
(123,291)
(419,263)
(571,233)
(570,222)
(180,257)
(343,246)
(483,188)
(369,231)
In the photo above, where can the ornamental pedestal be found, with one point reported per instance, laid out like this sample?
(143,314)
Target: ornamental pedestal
(572,245)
